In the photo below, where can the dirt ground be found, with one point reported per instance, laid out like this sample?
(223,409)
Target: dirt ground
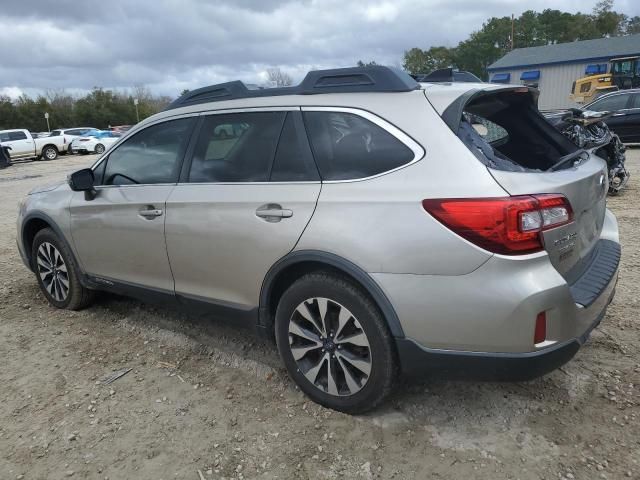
(207,400)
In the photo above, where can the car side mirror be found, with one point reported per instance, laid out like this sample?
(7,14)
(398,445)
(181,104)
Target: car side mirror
(82,181)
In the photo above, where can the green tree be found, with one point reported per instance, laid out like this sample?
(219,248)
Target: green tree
(418,61)
(366,64)
(7,113)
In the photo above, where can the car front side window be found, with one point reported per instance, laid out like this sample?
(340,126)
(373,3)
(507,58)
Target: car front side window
(152,156)
(610,104)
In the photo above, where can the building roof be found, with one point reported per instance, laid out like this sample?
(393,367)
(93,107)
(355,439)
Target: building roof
(584,50)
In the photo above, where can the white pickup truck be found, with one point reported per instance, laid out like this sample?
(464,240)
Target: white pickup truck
(24,146)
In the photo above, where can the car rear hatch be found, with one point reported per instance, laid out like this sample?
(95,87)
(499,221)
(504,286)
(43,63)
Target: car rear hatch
(527,156)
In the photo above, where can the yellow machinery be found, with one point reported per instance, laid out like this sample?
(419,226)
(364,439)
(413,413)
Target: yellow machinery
(623,74)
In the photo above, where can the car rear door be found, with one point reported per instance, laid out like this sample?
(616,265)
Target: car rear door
(119,234)
(244,199)
(530,157)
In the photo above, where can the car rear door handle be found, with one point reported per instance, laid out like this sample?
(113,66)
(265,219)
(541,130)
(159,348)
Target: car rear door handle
(273,212)
(151,213)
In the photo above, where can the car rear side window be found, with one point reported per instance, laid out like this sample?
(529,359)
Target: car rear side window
(152,156)
(348,146)
(293,161)
(236,147)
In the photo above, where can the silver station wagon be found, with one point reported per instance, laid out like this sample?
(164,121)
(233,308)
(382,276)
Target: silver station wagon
(370,224)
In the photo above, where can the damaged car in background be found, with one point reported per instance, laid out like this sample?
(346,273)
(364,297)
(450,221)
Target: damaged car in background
(588,130)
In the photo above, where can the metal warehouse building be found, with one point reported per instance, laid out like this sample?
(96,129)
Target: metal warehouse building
(554,68)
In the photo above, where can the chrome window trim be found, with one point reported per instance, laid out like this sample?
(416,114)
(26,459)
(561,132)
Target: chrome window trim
(305,182)
(415,147)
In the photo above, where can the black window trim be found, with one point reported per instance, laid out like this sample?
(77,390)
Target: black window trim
(390,128)
(186,166)
(133,132)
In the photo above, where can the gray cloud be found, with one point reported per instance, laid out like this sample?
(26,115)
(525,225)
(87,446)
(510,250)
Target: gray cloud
(169,45)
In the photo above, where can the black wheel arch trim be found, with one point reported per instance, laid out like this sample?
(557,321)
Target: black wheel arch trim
(52,224)
(265,322)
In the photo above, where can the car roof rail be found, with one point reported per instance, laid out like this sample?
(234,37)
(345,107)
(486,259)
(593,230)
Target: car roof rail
(375,78)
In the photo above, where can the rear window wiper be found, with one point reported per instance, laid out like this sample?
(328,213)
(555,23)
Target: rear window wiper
(566,159)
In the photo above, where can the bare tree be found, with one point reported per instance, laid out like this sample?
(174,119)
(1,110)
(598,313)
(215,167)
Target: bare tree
(278,78)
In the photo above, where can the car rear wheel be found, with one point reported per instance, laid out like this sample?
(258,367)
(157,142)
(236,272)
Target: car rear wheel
(50,153)
(57,273)
(335,343)
(99,148)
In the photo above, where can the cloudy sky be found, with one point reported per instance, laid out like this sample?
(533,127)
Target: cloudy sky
(169,45)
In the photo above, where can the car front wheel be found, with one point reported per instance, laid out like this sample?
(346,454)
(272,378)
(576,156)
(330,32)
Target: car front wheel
(335,343)
(57,273)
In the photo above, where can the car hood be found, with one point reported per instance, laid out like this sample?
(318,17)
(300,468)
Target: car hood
(48,187)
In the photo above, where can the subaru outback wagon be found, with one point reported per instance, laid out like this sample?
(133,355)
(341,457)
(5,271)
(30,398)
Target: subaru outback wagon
(370,224)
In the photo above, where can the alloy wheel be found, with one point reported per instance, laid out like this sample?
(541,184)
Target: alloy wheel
(53,271)
(99,148)
(330,346)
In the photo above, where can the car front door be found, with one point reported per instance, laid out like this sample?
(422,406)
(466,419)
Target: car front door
(243,201)
(21,145)
(119,234)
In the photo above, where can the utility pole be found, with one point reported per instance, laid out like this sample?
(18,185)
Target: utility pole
(46,116)
(135,102)
(512,30)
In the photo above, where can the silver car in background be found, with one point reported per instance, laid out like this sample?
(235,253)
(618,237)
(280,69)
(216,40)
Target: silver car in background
(371,225)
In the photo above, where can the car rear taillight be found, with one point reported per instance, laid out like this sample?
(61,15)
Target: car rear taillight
(505,225)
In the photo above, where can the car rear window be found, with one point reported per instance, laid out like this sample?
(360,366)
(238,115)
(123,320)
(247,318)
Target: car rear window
(505,131)
(347,146)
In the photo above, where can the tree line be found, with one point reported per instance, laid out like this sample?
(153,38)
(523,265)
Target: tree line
(100,108)
(531,29)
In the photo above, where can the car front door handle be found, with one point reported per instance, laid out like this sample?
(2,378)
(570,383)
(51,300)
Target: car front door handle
(273,212)
(151,213)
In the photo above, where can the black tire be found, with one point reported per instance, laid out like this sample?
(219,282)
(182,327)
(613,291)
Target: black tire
(382,355)
(49,152)
(99,149)
(78,297)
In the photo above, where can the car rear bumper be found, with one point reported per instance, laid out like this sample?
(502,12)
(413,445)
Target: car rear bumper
(487,318)
(418,361)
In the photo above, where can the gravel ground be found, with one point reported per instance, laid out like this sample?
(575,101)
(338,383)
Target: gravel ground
(206,400)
